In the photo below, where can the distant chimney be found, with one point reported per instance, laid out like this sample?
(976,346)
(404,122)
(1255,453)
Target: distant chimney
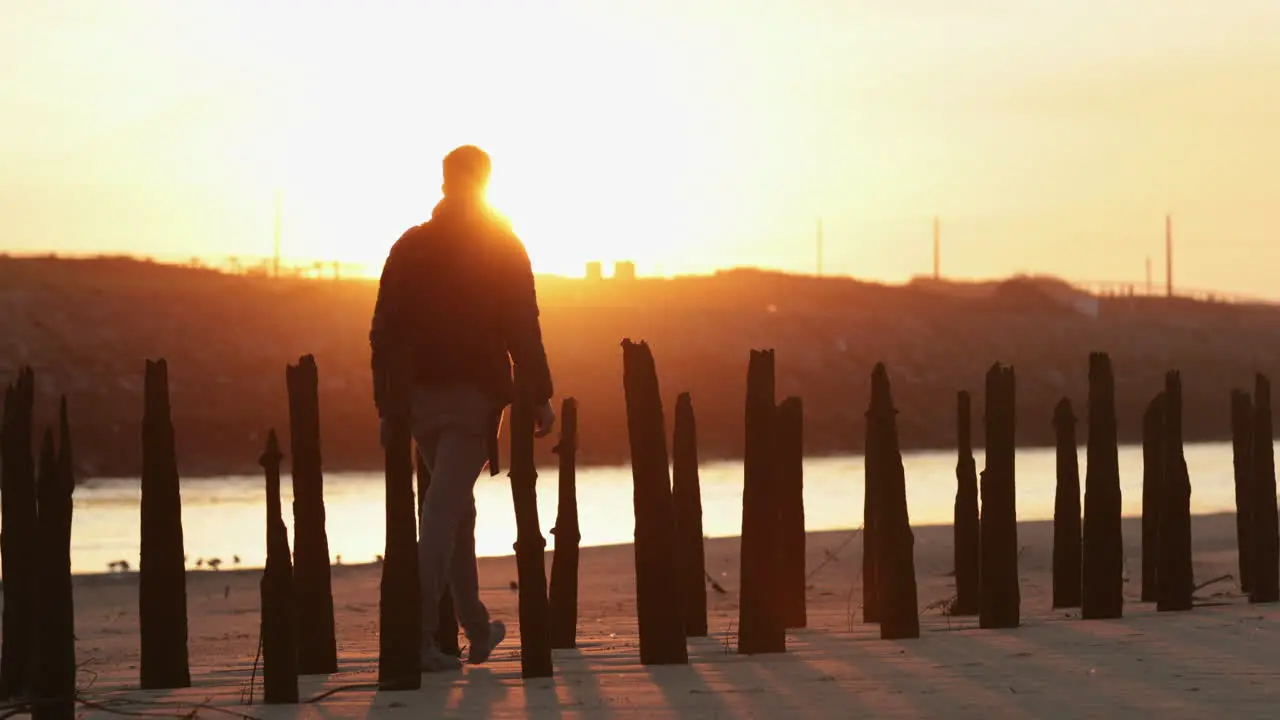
(594,270)
(624,270)
(937,249)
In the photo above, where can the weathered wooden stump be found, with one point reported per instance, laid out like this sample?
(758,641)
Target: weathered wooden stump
(761,624)
(1153,472)
(18,538)
(791,538)
(1266,557)
(1174,577)
(872,593)
(686,494)
(400,607)
(317,646)
(967,528)
(162,574)
(56,642)
(564,563)
(658,592)
(1242,463)
(1103,557)
(900,618)
(535,631)
(1001,597)
(279,625)
(1066,511)
(447,616)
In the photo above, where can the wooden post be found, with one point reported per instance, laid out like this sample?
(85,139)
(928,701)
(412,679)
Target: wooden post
(686,494)
(1266,556)
(19,544)
(317,646)
(791,538)
(162,580)
(871,511)
(900,618)
(1242,462)
(1153,473)
(1066,511)
(1176,582)
(535,633)
(564,563)
(1001,597)
(660,616)
(400,608)
(761,625)
(56,680)
(447,617)
(279,630)
(1103,556)
(967,528)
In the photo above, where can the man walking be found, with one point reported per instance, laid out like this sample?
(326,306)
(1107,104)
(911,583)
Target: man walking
(456,307)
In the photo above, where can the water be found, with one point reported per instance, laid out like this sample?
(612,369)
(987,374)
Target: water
(224,517)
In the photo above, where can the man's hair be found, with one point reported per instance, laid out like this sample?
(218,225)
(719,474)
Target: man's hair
(466,169)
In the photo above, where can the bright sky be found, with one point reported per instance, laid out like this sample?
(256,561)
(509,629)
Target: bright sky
(1049,135)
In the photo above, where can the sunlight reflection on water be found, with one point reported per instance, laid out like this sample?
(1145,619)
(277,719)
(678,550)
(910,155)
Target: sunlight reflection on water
(224,517)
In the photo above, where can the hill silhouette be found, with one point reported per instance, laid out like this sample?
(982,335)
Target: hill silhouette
(87,326)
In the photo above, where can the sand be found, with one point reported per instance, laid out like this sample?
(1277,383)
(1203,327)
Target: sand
(1220,658)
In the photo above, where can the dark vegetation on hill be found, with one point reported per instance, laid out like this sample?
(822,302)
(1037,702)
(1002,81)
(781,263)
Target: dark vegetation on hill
(87,326)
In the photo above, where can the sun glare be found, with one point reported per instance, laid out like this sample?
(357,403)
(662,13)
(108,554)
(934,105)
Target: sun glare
(589,163)
(564,218)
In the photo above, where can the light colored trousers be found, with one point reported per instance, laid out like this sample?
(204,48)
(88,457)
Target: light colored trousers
(451,425)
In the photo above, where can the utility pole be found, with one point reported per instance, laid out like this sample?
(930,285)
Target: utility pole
(937,248)
(275,258)
(1168,255)
(1150,289)
(819,247)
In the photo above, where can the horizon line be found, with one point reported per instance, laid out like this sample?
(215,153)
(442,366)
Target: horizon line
(282,268)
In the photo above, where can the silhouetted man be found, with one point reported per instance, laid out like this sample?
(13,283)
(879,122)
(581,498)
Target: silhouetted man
(456,306)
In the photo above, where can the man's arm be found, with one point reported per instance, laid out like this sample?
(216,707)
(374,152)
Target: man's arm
(523,328)
(383,328)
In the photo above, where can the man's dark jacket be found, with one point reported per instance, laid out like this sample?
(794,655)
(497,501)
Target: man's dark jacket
(457,303)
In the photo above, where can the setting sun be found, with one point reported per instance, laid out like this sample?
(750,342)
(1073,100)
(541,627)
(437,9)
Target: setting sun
(591,160)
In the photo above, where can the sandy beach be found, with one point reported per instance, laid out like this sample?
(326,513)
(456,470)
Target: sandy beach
(1219,659)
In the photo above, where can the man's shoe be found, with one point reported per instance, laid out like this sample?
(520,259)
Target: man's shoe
(482,647)
(433,660)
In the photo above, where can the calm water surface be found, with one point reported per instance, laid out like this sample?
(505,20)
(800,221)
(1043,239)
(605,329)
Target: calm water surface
(224,517)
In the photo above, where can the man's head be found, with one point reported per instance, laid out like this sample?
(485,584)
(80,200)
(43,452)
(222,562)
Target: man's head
(466,172)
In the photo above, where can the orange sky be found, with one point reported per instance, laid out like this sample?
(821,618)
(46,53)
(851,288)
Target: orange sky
(1050,135)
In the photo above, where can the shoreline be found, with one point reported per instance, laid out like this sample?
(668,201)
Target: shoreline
(548,468)
(1034,526)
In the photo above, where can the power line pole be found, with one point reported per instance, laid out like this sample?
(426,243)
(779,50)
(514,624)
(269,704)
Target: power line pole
(819,247)
(275,258)
(1168,255)
(1150,289)
(937,248)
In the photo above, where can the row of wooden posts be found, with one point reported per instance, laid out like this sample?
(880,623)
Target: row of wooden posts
(1088,556)
(38,655)
(297,607)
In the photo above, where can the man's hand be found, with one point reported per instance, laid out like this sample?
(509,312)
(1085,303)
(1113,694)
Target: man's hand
(544,420)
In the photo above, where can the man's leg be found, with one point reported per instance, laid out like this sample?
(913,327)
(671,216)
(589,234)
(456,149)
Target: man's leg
(483,635)
(458,448)
(464,582)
